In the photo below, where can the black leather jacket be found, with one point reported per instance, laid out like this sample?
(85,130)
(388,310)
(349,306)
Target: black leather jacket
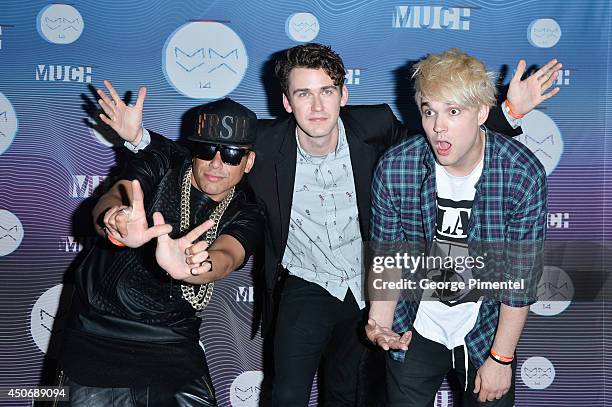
(122,295)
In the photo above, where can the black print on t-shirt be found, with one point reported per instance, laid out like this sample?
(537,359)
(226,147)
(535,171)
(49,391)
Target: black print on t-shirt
(451,241)
(452,220)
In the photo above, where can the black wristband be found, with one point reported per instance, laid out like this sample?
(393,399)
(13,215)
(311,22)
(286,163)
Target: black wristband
(499,361)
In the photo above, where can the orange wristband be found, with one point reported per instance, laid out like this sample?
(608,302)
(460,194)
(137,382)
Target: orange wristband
(115,241)
(512,112)
(504,360)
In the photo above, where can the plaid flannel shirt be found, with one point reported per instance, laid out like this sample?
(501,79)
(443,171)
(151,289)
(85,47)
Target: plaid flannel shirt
(509,206)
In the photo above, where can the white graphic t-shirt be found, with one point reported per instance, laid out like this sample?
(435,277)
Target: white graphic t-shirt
(446,316)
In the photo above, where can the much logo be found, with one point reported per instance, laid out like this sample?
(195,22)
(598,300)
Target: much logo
(75,244)
(353,76)
(60,24)
(44,318)
(302,27)
(84,186)
(558,220)
(537,373)
(432,17)
(555,292)
(11,232)
(245,294)
(8,123)
(563,78)
(64,73)
(245,389)
(204,60)
(544,33)
(542,136)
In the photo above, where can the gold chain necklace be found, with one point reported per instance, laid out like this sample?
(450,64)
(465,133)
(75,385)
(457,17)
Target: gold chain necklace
(200,300)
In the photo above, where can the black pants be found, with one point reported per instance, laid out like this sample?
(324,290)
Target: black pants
(198,392)
(415,382)
(313,325)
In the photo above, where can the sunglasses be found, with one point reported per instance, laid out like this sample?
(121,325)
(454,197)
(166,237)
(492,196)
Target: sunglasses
(230,155)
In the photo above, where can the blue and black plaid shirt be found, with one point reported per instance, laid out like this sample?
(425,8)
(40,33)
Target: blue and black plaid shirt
(509,206)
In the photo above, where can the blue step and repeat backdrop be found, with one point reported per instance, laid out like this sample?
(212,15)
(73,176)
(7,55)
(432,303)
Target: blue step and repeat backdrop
(54,160)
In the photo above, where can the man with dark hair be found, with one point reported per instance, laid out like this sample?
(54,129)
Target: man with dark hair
(313,179)
(133,334)
(310,55)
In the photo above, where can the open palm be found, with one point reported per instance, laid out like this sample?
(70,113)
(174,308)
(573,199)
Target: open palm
(386,338)
(126,120)
(524,95)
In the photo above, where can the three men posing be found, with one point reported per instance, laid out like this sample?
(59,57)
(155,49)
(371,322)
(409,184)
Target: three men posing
(313,179)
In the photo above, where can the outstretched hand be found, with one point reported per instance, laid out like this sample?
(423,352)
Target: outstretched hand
(525,95)
(128,224)
(125,120)
(386,338)
(171,254)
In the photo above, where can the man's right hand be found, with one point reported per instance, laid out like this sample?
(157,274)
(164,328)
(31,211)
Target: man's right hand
(128,224)
(386,338)
(125,120)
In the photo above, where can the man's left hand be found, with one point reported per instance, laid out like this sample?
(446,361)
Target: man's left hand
(493,380)
(525,95)
(172,255)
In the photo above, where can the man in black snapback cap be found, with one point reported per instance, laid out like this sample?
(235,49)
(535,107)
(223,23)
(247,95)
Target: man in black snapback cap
(227,129)
(225,122)
(133,334)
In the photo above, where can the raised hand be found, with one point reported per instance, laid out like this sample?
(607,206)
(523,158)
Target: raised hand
(128,224)
(525,95)
(386,338)
(172,254)
(125,120)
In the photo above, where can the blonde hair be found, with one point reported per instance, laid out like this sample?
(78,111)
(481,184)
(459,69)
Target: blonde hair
(454,77)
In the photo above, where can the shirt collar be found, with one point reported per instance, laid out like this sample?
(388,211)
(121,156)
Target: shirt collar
(342,143)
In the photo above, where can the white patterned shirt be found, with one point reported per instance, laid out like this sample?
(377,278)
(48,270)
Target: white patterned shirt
(324,241)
